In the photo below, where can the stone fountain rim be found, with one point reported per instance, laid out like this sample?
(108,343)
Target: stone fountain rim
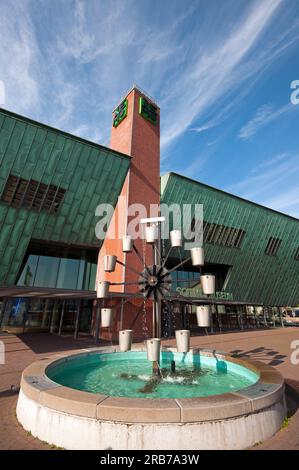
(266,392)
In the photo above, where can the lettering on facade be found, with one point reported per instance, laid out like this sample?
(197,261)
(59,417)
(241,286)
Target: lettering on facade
(197,292)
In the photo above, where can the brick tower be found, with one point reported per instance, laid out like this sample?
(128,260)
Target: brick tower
(136,132)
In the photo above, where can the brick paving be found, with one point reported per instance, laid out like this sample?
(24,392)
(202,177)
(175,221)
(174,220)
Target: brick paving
(271,346)
(20,351)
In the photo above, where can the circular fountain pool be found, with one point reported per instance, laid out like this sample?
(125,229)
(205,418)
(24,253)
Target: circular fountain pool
(130,375)
(104,399)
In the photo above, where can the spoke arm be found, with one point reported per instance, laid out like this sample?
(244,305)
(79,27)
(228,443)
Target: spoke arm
(164,262)
(127,283)
(154,263)
(130,268)
(166,257)
(154,258)
(176,267)
(162,293)
(148,293)
(158,251)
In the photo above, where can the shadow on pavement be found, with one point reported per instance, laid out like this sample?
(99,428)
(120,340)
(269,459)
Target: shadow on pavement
(272,357)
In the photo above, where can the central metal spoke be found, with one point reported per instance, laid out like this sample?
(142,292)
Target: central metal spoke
(153,281)
(154,286)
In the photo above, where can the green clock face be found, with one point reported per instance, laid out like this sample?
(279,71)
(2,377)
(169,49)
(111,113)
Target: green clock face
(120,113)
(148,110)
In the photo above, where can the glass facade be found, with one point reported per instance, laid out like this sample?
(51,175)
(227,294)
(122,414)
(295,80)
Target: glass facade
(52,266)
(58,272)
(185,280)
(23,314)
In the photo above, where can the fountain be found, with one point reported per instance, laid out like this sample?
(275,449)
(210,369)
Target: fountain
(152,397)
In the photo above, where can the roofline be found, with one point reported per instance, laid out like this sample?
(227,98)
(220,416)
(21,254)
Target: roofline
(64,133)
(171,173)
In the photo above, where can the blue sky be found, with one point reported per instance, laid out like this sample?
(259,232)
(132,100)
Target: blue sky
(220,71)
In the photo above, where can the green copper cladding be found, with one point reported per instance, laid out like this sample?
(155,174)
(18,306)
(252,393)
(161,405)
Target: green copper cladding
(254,275)
(120,113)
(89,175)
(147,110)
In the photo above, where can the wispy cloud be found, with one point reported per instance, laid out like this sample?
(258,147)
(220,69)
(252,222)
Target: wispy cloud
(97,52)
(287,201)
(270,162)
(19,58)
(84,131)
(69,63)
(216,71)
(268,186)
(263,116)
(205,127)
(81,41)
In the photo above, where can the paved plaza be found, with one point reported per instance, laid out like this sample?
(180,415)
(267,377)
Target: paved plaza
(270,346)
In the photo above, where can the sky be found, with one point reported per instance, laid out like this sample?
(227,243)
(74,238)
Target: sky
(221,72)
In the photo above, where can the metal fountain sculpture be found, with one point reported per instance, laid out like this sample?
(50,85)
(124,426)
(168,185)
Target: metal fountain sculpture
(154,283)
(99,421)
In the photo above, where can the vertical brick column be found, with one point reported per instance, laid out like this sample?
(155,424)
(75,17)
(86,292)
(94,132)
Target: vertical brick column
(140,139)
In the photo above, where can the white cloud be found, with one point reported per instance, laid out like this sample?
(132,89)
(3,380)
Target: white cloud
(286,201)
(271,179)
(84,131)
(204,127)
(2,93)
(270,162)
(71,65)
(263,116)
(215,72)
(19,56)
(87,40)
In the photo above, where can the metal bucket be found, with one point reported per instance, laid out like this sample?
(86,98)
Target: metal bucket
(203,316)
(182,340)
(125,340)
(153,347)
(208,284)
(109,263)
(150,233)
(197,256)
(175,238)
(102,289)
(127,244)
(106,317)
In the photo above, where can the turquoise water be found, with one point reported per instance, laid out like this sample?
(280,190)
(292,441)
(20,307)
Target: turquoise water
(130,375)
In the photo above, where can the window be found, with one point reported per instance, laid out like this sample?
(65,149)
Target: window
(223,235)
(273,246)
(184,279)
(62,266)
(58,273)
(32,194)
(297,254)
